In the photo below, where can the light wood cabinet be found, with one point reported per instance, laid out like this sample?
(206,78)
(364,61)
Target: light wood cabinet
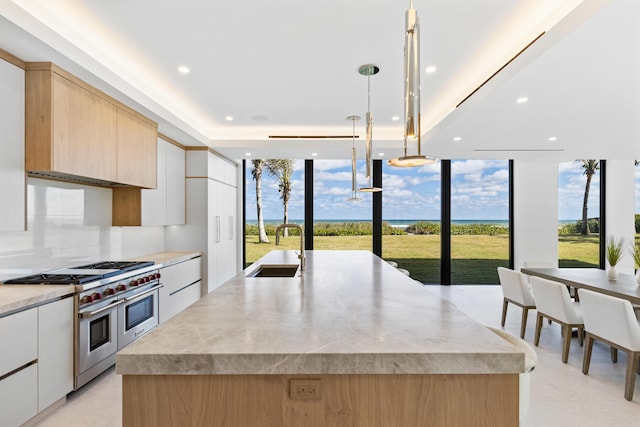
(136,148)
(76,132)
(55,351)
(12,176)
(181,287)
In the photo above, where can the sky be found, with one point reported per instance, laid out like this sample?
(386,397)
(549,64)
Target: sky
(479,192)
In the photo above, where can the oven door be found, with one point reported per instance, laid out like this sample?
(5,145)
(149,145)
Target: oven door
(137,315)
(97,334)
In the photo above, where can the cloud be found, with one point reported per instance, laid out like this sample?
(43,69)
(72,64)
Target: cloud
(326,165)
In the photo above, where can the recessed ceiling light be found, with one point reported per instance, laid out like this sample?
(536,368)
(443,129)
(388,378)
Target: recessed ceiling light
(381,154)
(430,69)
(229,118)
(457,138)
(247,154)
(522,100)
(395,118)
(553,138)
(183,69)
(314,154)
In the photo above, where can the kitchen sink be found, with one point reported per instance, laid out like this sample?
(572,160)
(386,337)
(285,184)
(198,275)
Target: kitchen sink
(274,270)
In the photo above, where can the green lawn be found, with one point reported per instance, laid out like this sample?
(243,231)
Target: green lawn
(474,257)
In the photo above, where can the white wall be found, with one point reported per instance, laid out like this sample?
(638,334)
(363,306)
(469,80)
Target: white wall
(67,225)
(535,211)
(621,207)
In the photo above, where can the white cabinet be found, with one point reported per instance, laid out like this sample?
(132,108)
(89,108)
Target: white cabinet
(38,368)
(181,287)
(165,205)
(18,366)
(18,400)
(175,185)
(12,175)
(55,351)
(212,217)
(223,239)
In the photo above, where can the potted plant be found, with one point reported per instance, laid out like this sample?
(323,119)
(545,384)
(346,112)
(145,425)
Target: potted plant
(635,251)
(614,253)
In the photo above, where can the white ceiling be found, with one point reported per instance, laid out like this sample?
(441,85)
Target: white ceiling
(287,67)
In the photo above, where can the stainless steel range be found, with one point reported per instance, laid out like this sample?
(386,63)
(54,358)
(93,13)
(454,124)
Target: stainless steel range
(116,303)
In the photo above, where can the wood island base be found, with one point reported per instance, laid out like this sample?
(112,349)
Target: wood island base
(340,400)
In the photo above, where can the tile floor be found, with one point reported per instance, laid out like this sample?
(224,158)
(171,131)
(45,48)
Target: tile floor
(560,394)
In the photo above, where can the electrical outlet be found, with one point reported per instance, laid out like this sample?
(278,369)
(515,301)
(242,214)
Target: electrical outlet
(305,389)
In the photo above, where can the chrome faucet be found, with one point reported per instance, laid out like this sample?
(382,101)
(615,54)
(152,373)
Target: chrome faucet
(299,228)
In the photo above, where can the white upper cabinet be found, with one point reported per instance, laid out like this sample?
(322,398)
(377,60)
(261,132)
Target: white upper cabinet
(175,185)
(165,205)
(12,175)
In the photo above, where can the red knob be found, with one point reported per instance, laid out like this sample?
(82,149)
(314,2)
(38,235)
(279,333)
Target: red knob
(96,296)
(157,275)
(133,283)
(109,291)
(147,279)
(86,299)
(121,287)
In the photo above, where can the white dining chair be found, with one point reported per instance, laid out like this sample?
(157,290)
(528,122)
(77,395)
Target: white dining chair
(530,361)
(612,321)
(515,290)
(546,264)
(554,303)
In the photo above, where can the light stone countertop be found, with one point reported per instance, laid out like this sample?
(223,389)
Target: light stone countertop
(15,298)
(349,313)
(165,259)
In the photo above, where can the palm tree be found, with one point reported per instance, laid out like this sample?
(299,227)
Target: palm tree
(282,169)
(590,168)
(256,172)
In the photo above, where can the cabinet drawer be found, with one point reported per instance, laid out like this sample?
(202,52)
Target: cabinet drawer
(18,399)
(19,335)
(178,276)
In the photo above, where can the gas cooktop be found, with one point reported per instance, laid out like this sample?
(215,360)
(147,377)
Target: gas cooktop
(81,274)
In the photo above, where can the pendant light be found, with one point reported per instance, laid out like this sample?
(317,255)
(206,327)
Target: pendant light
(412,92)
(354,195)
(369,70)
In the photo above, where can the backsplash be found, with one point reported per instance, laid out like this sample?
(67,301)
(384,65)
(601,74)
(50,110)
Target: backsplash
(70,224)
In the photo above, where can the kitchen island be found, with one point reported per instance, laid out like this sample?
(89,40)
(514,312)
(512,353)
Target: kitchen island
(349,341)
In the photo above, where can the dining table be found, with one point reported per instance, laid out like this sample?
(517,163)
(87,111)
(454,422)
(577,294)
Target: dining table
(593,279)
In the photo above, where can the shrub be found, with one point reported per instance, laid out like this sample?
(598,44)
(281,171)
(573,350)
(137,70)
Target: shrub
(594,227)
(424,228)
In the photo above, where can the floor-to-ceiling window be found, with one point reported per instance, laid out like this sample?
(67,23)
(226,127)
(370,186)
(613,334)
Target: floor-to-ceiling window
(637,203)
(341,221)
(411,220)
(479,220)
(280,186)
(579,198)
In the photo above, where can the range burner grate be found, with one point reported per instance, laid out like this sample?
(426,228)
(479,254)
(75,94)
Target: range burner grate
(116,265)
(54,279)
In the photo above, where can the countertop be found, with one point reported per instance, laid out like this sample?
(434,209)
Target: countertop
(348,313)
(21,297)
(165,259)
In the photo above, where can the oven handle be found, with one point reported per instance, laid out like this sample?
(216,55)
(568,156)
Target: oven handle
(88,315)
(148,291)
